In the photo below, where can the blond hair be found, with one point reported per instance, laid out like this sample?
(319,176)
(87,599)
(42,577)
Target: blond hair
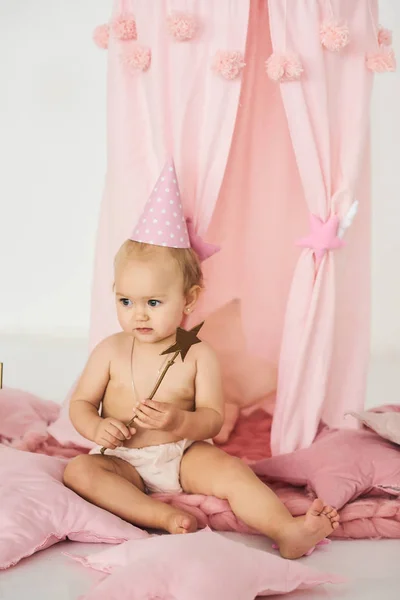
(186,259)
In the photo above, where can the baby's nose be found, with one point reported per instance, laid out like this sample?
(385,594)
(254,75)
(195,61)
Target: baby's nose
(141,315)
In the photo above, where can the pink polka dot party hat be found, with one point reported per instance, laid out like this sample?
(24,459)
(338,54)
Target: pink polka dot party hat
(162,222)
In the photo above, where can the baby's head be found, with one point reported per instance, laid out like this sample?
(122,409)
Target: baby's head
(155,287)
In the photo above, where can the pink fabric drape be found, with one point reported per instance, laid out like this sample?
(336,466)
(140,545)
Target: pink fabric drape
(259,212)
(179,107)
(244,151)
(325,341)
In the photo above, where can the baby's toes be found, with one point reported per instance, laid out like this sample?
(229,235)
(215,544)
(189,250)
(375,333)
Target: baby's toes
(334,516)
(332,513)
(329,511)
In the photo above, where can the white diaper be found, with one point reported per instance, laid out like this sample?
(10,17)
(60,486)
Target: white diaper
(158,466)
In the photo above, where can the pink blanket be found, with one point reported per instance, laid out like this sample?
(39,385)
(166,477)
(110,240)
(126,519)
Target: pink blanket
(24,419)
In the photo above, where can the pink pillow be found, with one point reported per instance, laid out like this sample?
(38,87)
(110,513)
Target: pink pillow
(21,412)
(385,424)
(339,467)
(37,510)
(64,432)
(197,566)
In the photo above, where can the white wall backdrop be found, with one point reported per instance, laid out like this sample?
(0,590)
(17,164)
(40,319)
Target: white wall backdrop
(52,156)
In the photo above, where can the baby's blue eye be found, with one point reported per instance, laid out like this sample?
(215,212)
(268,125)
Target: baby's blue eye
(126,302)
(154,303)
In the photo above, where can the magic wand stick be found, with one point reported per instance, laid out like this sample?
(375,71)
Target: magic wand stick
(184,341)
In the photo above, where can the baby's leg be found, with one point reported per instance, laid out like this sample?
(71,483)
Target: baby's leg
(113,484)
(206,469)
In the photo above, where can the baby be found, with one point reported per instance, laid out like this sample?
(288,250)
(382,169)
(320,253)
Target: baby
(169,446)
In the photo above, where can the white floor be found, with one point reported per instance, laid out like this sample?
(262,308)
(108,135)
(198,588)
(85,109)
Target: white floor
(48,366)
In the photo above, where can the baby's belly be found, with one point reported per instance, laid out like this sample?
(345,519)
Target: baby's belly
(145,437)
(122,409)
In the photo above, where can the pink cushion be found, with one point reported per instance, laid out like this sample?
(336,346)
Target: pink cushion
(339,466)
(198,566)
(64,432)
(37,510)
(385,424)
(24,423)
(21,412)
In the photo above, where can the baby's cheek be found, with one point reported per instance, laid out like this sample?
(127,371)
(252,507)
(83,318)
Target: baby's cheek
(123,320)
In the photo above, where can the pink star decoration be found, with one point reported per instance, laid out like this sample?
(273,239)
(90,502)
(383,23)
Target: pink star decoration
(323,236)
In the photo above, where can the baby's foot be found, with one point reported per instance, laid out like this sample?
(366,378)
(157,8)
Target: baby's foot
(180,522)
(305,532)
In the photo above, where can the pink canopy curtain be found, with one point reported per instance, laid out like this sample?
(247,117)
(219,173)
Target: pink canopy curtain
(178,106)
(255,217)
(236,140)
(324,352)
(258,214)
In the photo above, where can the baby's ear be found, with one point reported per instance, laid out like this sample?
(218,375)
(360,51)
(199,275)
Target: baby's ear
(192,296)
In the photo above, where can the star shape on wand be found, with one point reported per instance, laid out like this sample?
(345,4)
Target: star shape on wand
(184,340)
(323,236)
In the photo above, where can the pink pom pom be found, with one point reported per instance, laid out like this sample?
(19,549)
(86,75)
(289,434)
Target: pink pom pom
(384,37)
(124,28)
(228,64)
(334,36)
(275,67)
(383,61)
(137,58)
(284,68)
(293,68)
(101,36)
(182,26)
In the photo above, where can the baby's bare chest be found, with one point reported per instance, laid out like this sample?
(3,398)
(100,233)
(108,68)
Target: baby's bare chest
(128,387)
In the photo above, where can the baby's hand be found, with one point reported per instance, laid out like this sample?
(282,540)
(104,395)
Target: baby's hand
(158,415)
(112,433)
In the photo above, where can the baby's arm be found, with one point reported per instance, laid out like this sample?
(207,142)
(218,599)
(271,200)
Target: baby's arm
(206,421)
(88,394)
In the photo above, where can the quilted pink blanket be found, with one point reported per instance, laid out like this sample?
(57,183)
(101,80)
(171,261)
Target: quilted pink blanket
(24,419)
